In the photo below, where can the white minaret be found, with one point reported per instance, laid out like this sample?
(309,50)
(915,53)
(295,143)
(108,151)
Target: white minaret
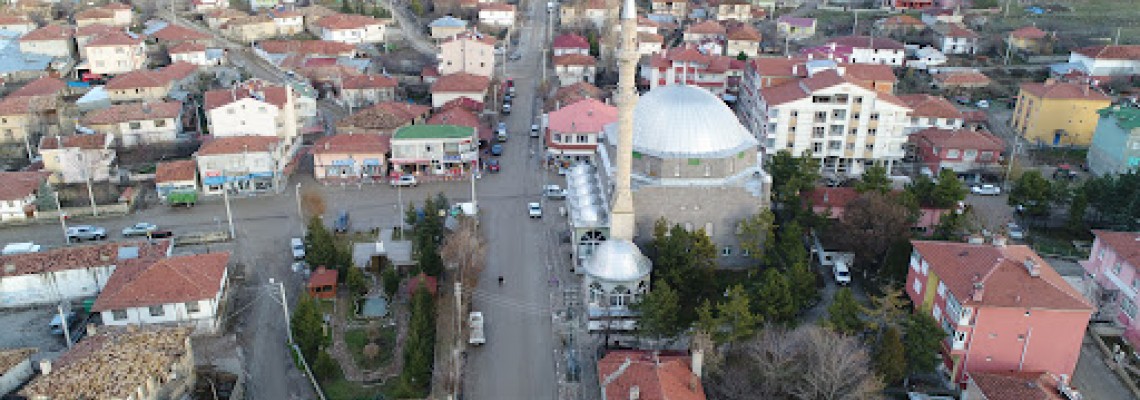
(622,221)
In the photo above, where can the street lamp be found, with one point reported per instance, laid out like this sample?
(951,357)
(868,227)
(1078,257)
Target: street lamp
(300,214)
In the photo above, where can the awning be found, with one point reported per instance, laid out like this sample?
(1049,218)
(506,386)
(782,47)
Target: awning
(261,175)
(214,180)
(371,161)
(343,163)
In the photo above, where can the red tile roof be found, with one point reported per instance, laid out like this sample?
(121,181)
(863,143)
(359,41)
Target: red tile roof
(585,116)
(385,116)
(962,79)
(238,144)
(957,31)
(902,21)
(1063,90)
(275,95)
(177,279)
(323,277)
(347,21)
(1125,244)
(497,7)
(152,78)
(646,37)
(473,35)
(114,38)
(176,171)
(187,47)
(1003,274)
(1108,52)
(779,66)
(1016,385)
(744,32)
(308,47)
(461,82)
(15,20)
(575,59)
(94,13)
(709,27)
(81,256)
(116,6)
(957,139)
(665,376)
(352,143)
(46,86)
(96,29)
(925,105)
(1029,33)
(50,32)
(19,185)
(869,72)
(178,33)
(567,95)
(571,41)
(466,103)
(133,112)
(97,141)
(831,197)
(369,82)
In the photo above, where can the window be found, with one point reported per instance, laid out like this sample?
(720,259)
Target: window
(858,99)
(839,114)
(726,251)
(917,285)
(834,145)
(853,131)
(157,311)
(795,114)
(1116,269)
(694,161)
(837,130)
(193,307)
(816,147)
(817,132)
(558,138)
(952,153)
(872,131)
(941,289)
(261,109)
(1128,306)
(851,146)
(790,144)
(119,315)
(874,116)
(583,139)
(135,125)
(821,116)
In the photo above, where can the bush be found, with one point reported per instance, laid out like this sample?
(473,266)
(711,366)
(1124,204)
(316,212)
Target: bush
(325,368)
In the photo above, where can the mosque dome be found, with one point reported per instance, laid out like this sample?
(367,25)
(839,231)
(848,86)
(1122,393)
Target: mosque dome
(681,121)
(617,261)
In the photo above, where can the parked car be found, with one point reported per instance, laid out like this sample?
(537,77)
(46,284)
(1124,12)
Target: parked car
(516,56)
(496,150)
(298,248)
(405,180)
(533,130)
(341,225)
(554,192)
(475,323)
(86,232)
(534,210)
(139,229)
(161,234)
(842,272)
(1015,231)
(986,190)
(983,104)
(507,108)
(57,326)
(493,165)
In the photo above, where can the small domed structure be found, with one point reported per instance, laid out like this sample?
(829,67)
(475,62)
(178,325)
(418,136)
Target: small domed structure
(618,261)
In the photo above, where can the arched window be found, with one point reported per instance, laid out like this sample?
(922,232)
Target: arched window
(597,294)
(620,297)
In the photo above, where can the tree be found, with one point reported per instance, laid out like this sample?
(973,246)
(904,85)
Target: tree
(888,310)
(659,309)
(948,191)
(843,315)
(874,179)
(871,224)
(1115,200)
(736,317)
(890,357)
(308,326)
(391,282)
(417,7)
(371,351)
(411,215)
(592,39)
(325,368)
(466,249)
(1078,207)
(922,188)
(791,176)
(742,56)
(774,300)
(922,340)
(356,281)
(756,232)
(789,248)
(686,261)
(802,282)
(805,363)
(320,250)
(1032,191)
(345,6)
(419,349)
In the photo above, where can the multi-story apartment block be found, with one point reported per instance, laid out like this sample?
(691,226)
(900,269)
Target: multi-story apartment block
(115,53)
(929,111)
(861,50)
(243,164)
(1115,146)
(689,66)
(254,108)
(1058,113)
(1114,264)
(435,150)
(470,52)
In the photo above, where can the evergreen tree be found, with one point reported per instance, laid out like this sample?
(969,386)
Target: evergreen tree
(803,285)
(843,315)
(789,249)
(346,6)
(411,215)
(948,191)
(756,232)
(874,179)
(391,282)
(774,300)
(325,368)
(356,281)
(707,322)
(320,250)
(686,261)
(659,309)
(736,316)
(890,359)
(419,350)
(922,340)
(308,327)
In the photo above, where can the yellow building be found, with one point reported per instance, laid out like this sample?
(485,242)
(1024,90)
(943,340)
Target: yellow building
(1057,113)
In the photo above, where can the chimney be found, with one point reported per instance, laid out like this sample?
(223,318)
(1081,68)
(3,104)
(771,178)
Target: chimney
(698,360)
(1032,267)
(634,393)
(979,290)
(999,240)
(91,330)
(45,367)
(1050,82)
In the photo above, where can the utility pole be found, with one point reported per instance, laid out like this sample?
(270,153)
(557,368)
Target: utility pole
(285,308)
(475,165)
(229,213)
(1116,40)
(62,215)
(458,329)
(300,213)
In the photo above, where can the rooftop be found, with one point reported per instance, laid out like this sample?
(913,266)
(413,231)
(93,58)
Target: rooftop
(1126,117)
(177,33)
(385,116)
(21,184)
(50,32)
(178,279)
(238,144)
(83,256)
(11,357)
(257,89)
(97,141)
(175,171)
(1016,385)
(1029,33)
(575,59)
(152,78)
(433,132)
(460,82)
(114,38)
(352,143)
(308,47)
(571,40)
(709,27)
(448,21)
(867,42)
(967,78)
(120,113)
(585,116)
(1051,89)
(369,82)
(803,88)
(459,115)
(925,105)
(1125,244)
(661,376)
(1108,52)
(957,139)
(323,277)
(46,86)
(347,21)
(831,197)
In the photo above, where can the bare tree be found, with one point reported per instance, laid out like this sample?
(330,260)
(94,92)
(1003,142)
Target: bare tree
(466,249)
(808,362)
(312,202)
(871,224)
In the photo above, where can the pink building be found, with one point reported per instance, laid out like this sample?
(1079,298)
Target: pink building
(573,131)
(1115,266)
(960,150)
(1003,307)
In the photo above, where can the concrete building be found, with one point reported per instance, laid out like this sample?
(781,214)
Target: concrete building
(350,158)
(928,111)
(689,66)
(742,39)
(197,54)
(1105,62)
(1114,265)
(499,15)
(70,273)
(469,52)
(860,50)
(1003,308)
(650,375)
(50,40)
(151,85)
(20,24)
(732,10)
(243,164)
(249,29)
(574,131)
(710,30)
(110,14)
(447,26)
(19,195)
(570,43)
(679,9)
(459,85)
(435,151)
(78,158)
(175,176)
(114,53)
(383,118)
(365,90)
(960,150)
(1029,39)
(352,29)
(574,68)
(136,124)
(955,39)
(1058,113)
(795,28)
(254,107)
(181,291)
(1115,147)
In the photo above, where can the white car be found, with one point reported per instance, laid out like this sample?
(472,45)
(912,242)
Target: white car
(841,272)
(534,130)
(1015,231)
(86,232)
(983,104)
(406,180)
(298,248)
(986,190)
(534,210)
(139,229)
(554,192)
(475,324)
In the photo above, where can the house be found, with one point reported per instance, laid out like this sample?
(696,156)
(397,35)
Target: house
(17,23)
(650,43)
(78,158)
(148,363)
(151,85)
(312,15)
(600,14)
(1114,264)
(19,195)
(960,150)
(322,284)
(795,28)
(500,15)
(452,86)
(1016,385)
(383,118)
(256,5)
(574,131)
(570,43)
(650,375)
(197,54)
(243,164)
(50,40)
(204,6)
(24,119)
(1029,39)
(832,202)
(470,52)
(447,26)
(679,9)
(1106,62)
(254,107)
(708,30)
(961,80)
(1058,113)
(573,68)
(422,280)
(183,290)
(288,22)
(447,151)
(567,95)
(173,35)
(742,39)
(690,66)
(458,113)
(942,15)
(218,18)
(88,33)
(136,124)
(175,176)
(282,48)
(365,90)
(861,50)
(1003,307)
(70,272)
(352,29)
(732,10)
(15,368)
(900,24)
(114,53)
(1115,147)
(955,39)
(926,58)
(929,111)
(350,158)
(843,123)
(249,29)
(110,14)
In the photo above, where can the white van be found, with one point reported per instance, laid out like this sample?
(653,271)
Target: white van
(298,248)
(842,273)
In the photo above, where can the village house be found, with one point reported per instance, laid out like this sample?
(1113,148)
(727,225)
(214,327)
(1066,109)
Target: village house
(197,54)
(861,50)
(1114,265)
(1029,39)
(926,58)
(50,40)
(1106,62)
(1115,147)
(1058,113)
(742,39)
(312,15)
(651,375)
(249,29)
(383,119)
(570,43)
(1019,385)
(929,111)
(322,284)
(902,24)
(110,14)
(204,6)
(254,108)
(151,85)
(452,86)
(243,164)
(216,19)
(942,15)
(118,363)
(182,291)
(462,112)
(572,68)
(350,158)
(499,15)
(137,124)
(690,66)
(19,194)
(708,31)
(70,272)
(961,80)
(78,158)
(446,27)
(352,29)
(911,4)
(88,33)
(679,9)
(960,150)
(599,14)
(470,52)
(283,48)
(364,90)
(1003,307)
(568,95)
(955,39)
(732,10)
(795,28)
(175,176)
(172,35)
(439,151)
(574,131)
(20,24)
(288,22)
(25,118)
(114,53)
(15,368)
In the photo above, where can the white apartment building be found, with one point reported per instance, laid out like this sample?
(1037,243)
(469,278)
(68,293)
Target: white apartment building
(843,124)
(352,29)
(470,52)
(115,53)
(254,108)
(243,164)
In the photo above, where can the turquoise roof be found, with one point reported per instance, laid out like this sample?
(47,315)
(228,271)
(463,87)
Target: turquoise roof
(434,132)
(1128,117)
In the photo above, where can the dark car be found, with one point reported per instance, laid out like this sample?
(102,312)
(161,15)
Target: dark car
(493,165)
(160,234)
(341,225)
(496,149)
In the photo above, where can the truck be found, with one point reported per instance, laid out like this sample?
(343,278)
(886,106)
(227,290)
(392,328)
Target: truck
(475,324)
(182,198)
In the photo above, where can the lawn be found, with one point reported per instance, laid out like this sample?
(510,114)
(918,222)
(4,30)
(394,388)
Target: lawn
(340,389)
(357,338)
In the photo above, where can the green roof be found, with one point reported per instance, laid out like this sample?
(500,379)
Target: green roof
(1126,116)
(434,132)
